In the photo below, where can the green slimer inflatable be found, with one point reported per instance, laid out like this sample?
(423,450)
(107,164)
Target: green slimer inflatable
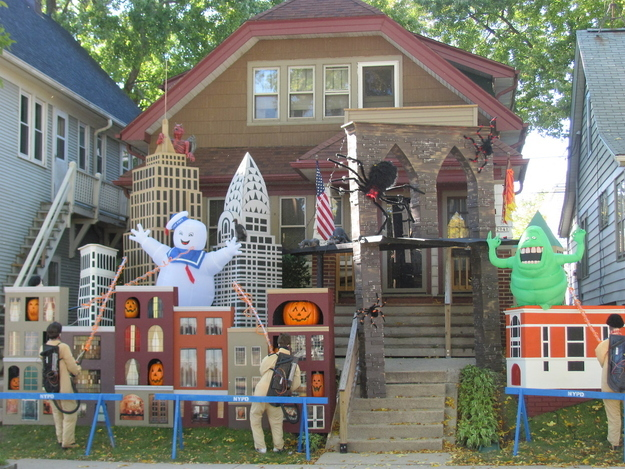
(537,277)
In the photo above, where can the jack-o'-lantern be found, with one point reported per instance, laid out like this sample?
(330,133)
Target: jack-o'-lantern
(155,374)
(300,313)
(131,308)
(14,383)
(32,309)
(317,384)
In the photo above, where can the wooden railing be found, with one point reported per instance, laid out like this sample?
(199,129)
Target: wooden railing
(347,384)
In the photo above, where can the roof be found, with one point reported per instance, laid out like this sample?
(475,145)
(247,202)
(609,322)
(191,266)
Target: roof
(601,56)
(44,45)
(598,67)
(293,19)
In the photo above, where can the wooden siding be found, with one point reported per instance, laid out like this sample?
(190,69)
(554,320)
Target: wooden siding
(598,172)
(218,115)
(464,116)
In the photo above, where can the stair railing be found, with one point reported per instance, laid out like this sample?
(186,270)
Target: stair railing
(347,383)
(66,190)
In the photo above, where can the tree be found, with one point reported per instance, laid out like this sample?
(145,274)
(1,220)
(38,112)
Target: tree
(537,37)
(5,38)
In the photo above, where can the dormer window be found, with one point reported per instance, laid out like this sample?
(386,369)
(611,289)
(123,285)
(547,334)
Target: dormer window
(266,93)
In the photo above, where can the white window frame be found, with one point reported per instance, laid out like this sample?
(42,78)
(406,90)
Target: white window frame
(327,92)
(127,160)
(35,132)
(303,92)
(60,135)
(515,337)
(83,147)
(255,94)
(285,226)
(99,155)
(240,355)
(383,63)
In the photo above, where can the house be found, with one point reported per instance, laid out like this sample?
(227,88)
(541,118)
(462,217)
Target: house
(303,81)
(61,114)
(595,184)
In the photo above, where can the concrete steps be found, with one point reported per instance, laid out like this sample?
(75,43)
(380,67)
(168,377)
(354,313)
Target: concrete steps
(417,414)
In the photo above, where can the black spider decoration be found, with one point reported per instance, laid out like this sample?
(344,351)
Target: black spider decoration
(371,312)
(381,179)
(485,148)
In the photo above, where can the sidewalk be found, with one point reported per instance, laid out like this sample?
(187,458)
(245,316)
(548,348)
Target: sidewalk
(326,461)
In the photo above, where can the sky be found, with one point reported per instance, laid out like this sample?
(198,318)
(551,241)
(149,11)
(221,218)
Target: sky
(546,172)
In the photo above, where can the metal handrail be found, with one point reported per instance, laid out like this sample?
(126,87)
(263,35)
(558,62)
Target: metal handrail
(347,383)
(39,245)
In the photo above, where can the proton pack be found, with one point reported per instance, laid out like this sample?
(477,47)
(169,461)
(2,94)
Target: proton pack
(280,383)
(50,373)
(616,364)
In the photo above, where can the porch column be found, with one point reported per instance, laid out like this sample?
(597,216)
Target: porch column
(368,277)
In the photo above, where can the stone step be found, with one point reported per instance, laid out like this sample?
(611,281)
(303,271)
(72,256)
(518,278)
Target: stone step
(371,431)
(397,417)
(385,404)
(394,445)
(413,390)
(411,377)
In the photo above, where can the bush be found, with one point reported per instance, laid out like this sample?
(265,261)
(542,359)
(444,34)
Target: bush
(295,272)
(477,408)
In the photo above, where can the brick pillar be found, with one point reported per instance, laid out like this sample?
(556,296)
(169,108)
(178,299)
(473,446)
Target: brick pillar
(367,276)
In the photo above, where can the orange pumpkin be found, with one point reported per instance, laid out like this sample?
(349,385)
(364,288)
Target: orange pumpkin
(317,384)
(300,313)
(131,308)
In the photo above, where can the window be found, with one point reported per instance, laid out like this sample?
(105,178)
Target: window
(336,90)
(545,341)
(155,339)
(32,117)
(316,416)
(256,358)
(132,372)
(88,381)
(82,146)
(127,161)
(188,326)
(99,155)
(158,411)
(239,356)
(215,209)
(515,337)
(132,339)
(188,368)
(31,379)
(30,411)
(31,344)
(316,347)
(14,344)
(337,210)
(214,326)
(620,217)
(604,215)
(200,412)
(266,93)
(214,368)
(575,342)
(155,308)
(292,221)
(240,386)
(582,266)
(94,348)
(301,92)
(378,84)
(60,135)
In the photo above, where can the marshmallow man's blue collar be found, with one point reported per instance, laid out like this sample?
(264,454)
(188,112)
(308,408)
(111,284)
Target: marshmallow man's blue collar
(193,257)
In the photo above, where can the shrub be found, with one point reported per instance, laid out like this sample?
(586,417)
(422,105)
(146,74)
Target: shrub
(477,408)
(295,272)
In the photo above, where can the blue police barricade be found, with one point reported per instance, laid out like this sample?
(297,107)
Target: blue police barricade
(178,398)
(101,398)
(579,394)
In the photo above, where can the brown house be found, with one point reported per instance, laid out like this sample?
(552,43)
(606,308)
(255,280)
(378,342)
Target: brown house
(306,80)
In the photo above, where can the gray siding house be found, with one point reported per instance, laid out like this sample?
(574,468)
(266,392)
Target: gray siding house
(595,186)
(60,114)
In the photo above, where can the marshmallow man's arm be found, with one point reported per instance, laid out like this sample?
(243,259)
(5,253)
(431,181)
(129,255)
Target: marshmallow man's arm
(217,260)
(157,251)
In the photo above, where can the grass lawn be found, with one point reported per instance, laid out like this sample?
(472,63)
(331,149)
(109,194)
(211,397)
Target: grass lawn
(571,436)
(150,445)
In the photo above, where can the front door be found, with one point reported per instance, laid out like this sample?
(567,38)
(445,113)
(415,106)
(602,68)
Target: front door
(61,164)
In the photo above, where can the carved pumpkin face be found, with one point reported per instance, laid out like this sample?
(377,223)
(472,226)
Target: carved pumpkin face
(155,375)
(32,309)
(300,313)
(131,308)
(14,383)
(317,385)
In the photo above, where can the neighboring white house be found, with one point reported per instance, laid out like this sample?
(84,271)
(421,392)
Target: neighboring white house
(595,187)
(59,117)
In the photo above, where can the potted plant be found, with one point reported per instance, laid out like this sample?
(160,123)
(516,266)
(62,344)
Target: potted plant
(477,409)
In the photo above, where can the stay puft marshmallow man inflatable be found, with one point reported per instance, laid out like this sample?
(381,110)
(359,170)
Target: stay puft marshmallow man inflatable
(187,265)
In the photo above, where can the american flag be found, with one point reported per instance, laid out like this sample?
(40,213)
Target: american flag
(324,220)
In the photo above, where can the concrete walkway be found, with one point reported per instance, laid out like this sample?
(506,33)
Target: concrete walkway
(326,461)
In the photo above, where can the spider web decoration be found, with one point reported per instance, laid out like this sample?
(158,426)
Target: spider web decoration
(483,148)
